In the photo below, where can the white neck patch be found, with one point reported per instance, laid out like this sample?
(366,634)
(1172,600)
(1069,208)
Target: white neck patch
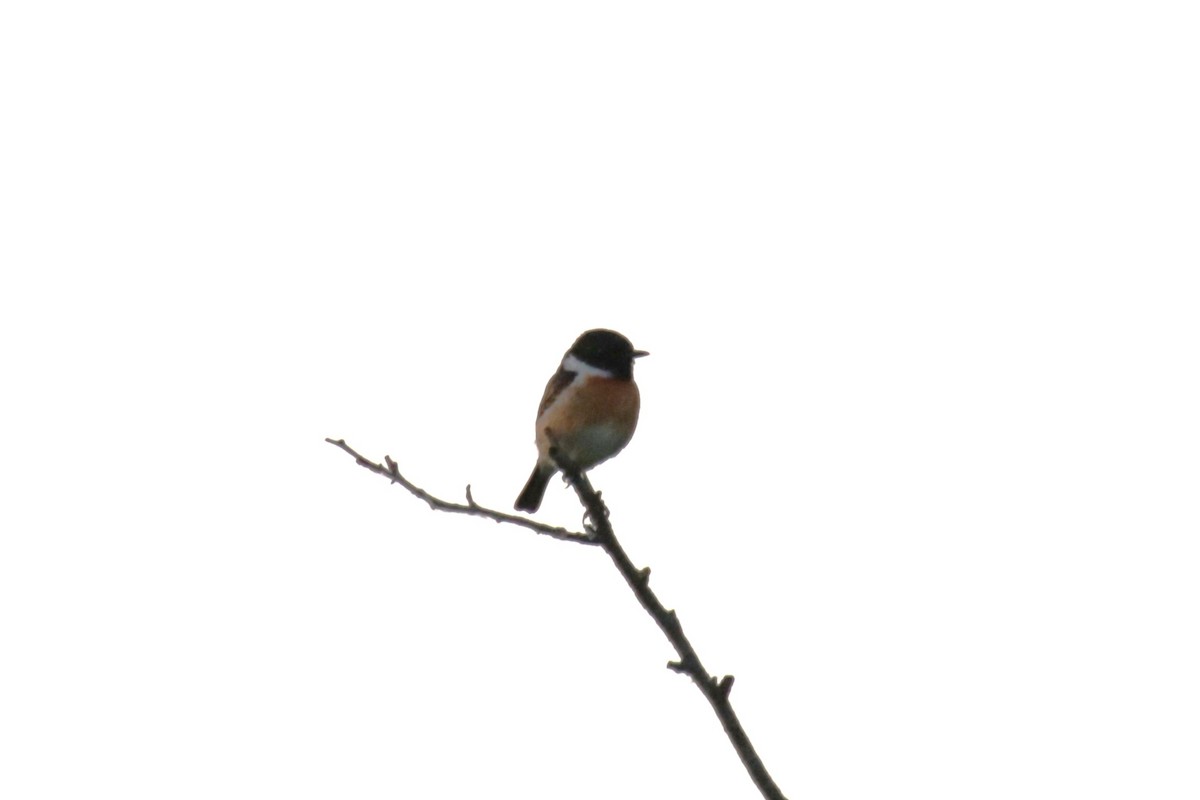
(573,364)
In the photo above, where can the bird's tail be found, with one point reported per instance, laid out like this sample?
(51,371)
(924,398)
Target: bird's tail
(531,496)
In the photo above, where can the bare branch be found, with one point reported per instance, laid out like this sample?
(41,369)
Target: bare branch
(600,531)
(716,692)
(471,508)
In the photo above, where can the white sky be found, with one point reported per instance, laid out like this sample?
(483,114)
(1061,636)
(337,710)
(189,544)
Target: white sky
(918,453)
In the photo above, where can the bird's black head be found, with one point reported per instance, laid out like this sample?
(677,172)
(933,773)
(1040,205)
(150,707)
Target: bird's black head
(606,350)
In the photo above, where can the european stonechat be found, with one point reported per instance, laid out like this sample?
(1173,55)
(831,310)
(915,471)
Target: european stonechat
(589,409)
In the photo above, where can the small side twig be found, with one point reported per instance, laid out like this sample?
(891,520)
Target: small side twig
(392,472)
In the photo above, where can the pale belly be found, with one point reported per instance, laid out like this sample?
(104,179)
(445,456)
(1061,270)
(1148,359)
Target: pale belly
(595,443)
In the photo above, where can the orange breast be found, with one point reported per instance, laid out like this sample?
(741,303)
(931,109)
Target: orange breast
(592,420)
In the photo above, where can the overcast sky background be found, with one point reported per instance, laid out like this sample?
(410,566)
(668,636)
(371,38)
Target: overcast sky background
(917,460)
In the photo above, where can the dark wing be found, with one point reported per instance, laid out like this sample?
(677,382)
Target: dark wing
(561,380)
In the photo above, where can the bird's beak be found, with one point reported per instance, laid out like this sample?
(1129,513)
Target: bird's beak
(639,353)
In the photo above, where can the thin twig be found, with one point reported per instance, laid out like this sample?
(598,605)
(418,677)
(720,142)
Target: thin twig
(600,531)
(392,472)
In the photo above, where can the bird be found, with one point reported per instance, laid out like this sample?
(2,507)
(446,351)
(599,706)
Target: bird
(589,409)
